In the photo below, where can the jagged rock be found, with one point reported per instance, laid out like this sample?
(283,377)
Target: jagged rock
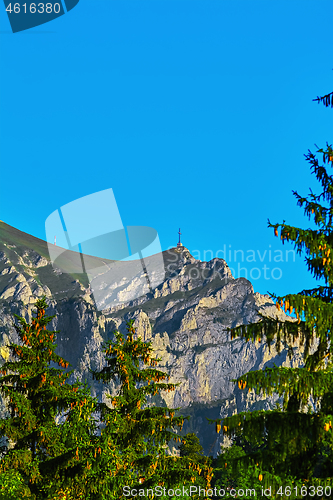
(8,270)
(186,318)
(142,325)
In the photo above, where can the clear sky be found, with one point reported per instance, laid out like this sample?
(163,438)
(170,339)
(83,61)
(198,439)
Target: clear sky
(197,113)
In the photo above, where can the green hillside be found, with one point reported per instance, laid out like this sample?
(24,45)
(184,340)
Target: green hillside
(21,248)
(9,235)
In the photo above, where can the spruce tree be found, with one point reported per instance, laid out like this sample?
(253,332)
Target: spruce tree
(191,447)
(49,429)
(294,445)
(135,437)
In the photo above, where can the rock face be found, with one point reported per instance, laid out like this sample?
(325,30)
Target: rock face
(186,318)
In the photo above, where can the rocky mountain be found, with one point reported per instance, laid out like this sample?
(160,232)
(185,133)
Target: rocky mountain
(185,317)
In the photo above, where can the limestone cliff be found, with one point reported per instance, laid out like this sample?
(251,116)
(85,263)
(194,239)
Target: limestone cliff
(185,317)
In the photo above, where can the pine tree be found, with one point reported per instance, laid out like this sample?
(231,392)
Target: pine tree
(225,477)
(296,444)
(42,449)
(191,447)
(135,437)
(12,486)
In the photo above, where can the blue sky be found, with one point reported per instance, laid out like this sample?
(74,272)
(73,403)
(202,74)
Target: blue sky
(197,113)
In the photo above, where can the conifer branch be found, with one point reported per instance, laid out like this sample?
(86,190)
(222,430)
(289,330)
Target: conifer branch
(327,99)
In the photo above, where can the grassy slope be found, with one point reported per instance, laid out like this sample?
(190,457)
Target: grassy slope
(23,242)
(11,236)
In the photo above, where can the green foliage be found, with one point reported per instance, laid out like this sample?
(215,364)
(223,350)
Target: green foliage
(59,443)
(288,382)
(191,446)
(293,443)
(49,421)
(135,437)
(227,475)
(12,486)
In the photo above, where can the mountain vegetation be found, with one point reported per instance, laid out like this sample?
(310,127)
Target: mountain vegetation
(186,319)
(290,449)
(59,442)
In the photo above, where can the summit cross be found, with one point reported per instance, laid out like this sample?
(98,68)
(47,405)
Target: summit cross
(179,244)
